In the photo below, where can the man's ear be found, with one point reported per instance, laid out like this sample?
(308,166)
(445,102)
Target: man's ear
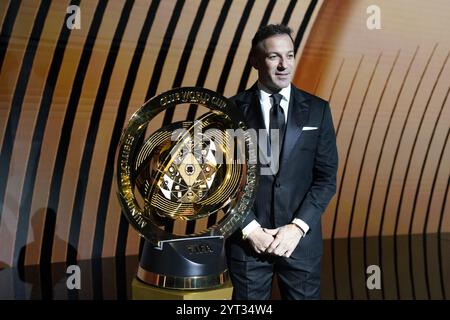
(253,61)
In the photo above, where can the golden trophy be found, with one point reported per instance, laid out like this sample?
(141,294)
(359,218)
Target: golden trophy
(186,187)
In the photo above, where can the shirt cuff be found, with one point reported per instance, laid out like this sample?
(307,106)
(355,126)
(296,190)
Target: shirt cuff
(301,224)
(252,226)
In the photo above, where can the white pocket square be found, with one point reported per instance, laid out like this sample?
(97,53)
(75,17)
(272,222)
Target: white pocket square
(309,128)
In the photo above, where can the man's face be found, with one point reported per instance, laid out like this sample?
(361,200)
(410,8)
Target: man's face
(274,59)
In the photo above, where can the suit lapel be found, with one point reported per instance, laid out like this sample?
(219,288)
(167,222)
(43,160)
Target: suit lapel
(254,117)
(298,116)
(252,110)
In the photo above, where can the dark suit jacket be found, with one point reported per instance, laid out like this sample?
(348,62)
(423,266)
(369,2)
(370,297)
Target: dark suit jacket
(306,179)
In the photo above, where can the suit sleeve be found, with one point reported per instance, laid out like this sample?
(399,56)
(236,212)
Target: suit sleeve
(250,217)
(323,186)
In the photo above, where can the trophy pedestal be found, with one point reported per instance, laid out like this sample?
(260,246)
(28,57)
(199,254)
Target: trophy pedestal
(185,188)
(143,291)
(184,264)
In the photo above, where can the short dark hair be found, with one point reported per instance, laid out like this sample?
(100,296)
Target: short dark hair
(270,31)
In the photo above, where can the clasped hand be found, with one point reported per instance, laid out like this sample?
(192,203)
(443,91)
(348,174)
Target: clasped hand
(280,241)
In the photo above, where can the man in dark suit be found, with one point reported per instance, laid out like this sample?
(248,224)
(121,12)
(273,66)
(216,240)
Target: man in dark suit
(282,233)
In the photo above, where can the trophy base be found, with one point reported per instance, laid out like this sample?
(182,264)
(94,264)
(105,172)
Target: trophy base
(143,291)
(172,282)
(184,264)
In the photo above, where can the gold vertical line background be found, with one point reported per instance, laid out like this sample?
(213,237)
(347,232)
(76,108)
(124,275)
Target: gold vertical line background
(340,32)
(334,41)
(96,67)
(72,55)
(13,59)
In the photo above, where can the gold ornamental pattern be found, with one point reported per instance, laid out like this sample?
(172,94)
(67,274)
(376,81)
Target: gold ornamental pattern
(188,178)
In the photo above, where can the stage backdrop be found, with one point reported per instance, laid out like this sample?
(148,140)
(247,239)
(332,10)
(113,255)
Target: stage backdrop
(65,95)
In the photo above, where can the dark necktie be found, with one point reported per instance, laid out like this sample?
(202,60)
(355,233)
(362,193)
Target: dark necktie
(276,123)
(277,117)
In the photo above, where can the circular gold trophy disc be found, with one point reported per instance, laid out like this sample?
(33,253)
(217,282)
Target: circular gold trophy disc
(186,187)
